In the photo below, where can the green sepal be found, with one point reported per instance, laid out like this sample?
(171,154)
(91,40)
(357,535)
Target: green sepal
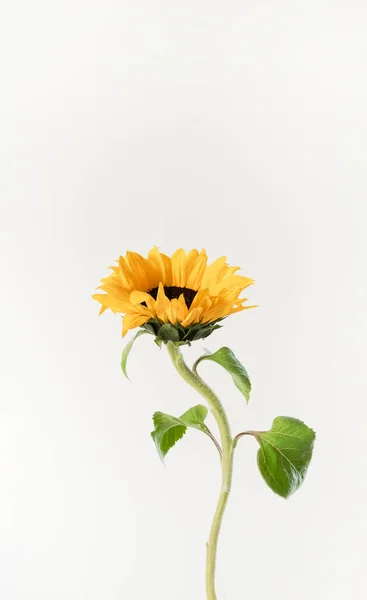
(205,332)
(158,341)
(284,455)
(168,429)
(149,328)
(201,330)
(225,357)
(181,330)
(152,326)
(127,349)
(169,333)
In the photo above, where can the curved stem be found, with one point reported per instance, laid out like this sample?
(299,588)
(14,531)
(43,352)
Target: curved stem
(216,407)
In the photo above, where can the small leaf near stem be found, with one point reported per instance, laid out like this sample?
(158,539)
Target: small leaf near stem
(168,429)
(226,358)
(284,455)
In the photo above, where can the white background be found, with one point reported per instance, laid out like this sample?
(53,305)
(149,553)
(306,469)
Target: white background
(237,126)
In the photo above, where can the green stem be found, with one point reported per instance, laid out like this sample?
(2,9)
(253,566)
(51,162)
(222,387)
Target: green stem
(216,407)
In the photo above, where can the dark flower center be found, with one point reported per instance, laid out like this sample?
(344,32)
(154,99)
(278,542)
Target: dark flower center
(172,291)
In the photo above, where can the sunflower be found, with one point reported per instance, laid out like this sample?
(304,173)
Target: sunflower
(178,298)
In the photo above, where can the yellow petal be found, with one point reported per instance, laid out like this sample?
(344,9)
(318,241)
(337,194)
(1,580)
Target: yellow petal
(179,264)
(214,273)
(228,294)
(172,311)
(196,274)
(139,297)
(115,288)
(145,276)
(127,278)
(161,304)
(201,299)
(117,305)
(193,317)
(132,321)
(233,281)
(219,309)
(231,271)
(239,308)
(161,264)
(182,310)
(168,268)
(191,259)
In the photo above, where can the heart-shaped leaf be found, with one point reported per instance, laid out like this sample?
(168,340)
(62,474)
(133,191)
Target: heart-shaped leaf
(284,455)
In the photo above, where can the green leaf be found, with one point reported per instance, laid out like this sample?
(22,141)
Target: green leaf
(284,455)
(225,357)
(127,349)
(195,417)
(168,430)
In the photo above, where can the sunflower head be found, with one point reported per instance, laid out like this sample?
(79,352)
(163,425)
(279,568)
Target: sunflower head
(178,298)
